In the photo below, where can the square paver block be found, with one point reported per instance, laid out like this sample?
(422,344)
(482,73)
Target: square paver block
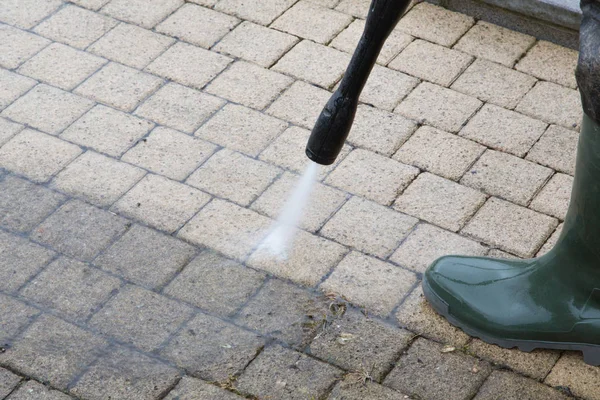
(48,109)
(285,312)
(435,24)
(17,46)
(354,388)
(324,201)
(20,260)
(416,314)
(550,62)
(428,243)
(61,66)
(554,104)
(495,43)
(301,104)
(8,381)
(227,228)
(504,130)
(368,227)
(161,203)
(107,130)
(443,108)
(146,257)
(215,284)
(190,389)
(23,205)
(131,45)
(234,176)
(198,25)
(98,179)
(80,230)
(75,26)
(386,87)
(370,283)
(554,198)
(13,86)
(439,152)
(373,176)
(179,107)
(122,373)
(140,12)
(259,11)
(515,387)
(242,129)
(140,317)
(511,228)
(281,373)
(570,371)
(189,65)
(306,261)
(36,155)
(249,85)
(15,316)
(212,349)
(26,13)
(431,62)
(255,43)
(170,153)
(426,372)
(8,129)
(357,343)
(119,86)
(557,149)
(494,83)
(53,351)
(311,21)
(72,288)
(31,390)
(506,176)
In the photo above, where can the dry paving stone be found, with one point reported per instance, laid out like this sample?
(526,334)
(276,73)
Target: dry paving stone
(510,227)
(13,86)
(8,129)
(373,176)
(285,312)
(48,109)
(495,253)
(90,4)
(314,63)
(355,342)
(325,3)
(370,283)
(212,349)
(188,65)
(196,389)
(170,153)
(53,351)
(33,390)
(259,11)
(131,45)
(504,130)
(356,8)
(553,104)
(571,372)
(494,83)
(554,198)
(550,242)
(242,129)
(301,104)
(124,374)
(495,43)
(354,388)
(368,227)
(386,87)
(61,66)
(557,149)
(249,85)
(140,12)
(23,205)
(280,373)
(215,284)
(428,243)
(14,315)
(140,317)
(161,202)
(311,21)
(515,387)
(435,24)
(97,179)
(8,381)
(506,176)
(75,26)
(443,108)
(431,62)
(255,43)
(146,257)
(36,155)
(426,372)
(20,260)
(17,46)
(27,13)
(227,228)
(550,62)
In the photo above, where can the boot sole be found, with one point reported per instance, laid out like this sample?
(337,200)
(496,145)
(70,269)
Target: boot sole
(591,353)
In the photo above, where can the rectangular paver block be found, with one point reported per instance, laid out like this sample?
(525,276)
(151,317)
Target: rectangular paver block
(15,316)
(259,11)
(17,46)
(27,13)
(13,86)
(33,390)
(139,12)
(190,388)
(515,387)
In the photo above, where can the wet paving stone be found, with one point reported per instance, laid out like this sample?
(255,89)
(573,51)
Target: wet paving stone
(8,381)
(33,390)
(14,315)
